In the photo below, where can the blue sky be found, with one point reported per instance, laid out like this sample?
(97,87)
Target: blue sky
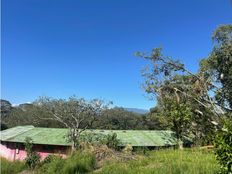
(59,48)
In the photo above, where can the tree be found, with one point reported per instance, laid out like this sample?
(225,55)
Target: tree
(207,93)
(119,118)
(76,114)
(163,70)
(220,64)
(176,89)
(175,111)
(5,107)
(27,114)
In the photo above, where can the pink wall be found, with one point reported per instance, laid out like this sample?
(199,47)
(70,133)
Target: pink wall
(10,152)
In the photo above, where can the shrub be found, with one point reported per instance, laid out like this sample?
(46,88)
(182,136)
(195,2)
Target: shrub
(33,158)
(110,140)
(223,144)
(127,149)
(141,150)
(8,167)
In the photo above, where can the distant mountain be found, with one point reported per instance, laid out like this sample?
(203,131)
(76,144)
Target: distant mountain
(137,110)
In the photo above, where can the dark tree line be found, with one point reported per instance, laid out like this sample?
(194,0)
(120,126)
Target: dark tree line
(109,118)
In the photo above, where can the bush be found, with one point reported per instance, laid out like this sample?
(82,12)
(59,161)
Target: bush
(223,144)
(78,162)
(8,167)
(110,140)
(141,150)
(33,158)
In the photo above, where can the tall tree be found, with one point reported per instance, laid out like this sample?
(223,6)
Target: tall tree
(220,64)
(72,113)
(177,89)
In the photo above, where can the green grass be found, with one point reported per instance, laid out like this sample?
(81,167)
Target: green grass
(77,163)
(8,167)
(190,161)
(166,162)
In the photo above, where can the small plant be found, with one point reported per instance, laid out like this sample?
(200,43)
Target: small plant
(127,149)
(33,158)
(112,141)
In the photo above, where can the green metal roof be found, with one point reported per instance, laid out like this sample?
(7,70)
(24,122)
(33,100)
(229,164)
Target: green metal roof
(56,136)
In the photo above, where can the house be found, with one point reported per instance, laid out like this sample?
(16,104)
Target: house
(52,140)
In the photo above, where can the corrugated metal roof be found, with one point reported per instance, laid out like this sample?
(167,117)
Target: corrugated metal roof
(56,136)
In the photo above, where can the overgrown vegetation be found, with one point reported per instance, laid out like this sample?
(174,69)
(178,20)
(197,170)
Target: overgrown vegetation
(8,167)
(110,140)
(166,161)
(33,158)
(78,162)
(192,161)
(223,144)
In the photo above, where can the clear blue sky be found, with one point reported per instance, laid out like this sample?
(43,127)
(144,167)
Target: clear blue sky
(59,48)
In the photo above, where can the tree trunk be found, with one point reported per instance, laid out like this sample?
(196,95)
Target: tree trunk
(73,146)
(180,144)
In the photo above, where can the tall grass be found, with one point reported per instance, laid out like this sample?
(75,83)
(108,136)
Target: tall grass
(8,167)
(191,161)
(77,163)
(167,162)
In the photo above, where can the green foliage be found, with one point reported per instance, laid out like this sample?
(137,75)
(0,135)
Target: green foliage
(5,108)
(223,145)
(119,119)
(177,117)
(8,167)
(141,150)
(77,163)
(51,165)
(33,158)
(220,63)
(166,161)
(110,140)
(29,114)
(182,97)
(49,159)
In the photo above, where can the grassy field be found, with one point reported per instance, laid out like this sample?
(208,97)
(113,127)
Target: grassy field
(191,161)
(166,162)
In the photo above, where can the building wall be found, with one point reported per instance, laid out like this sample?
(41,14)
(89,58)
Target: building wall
(16,151)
